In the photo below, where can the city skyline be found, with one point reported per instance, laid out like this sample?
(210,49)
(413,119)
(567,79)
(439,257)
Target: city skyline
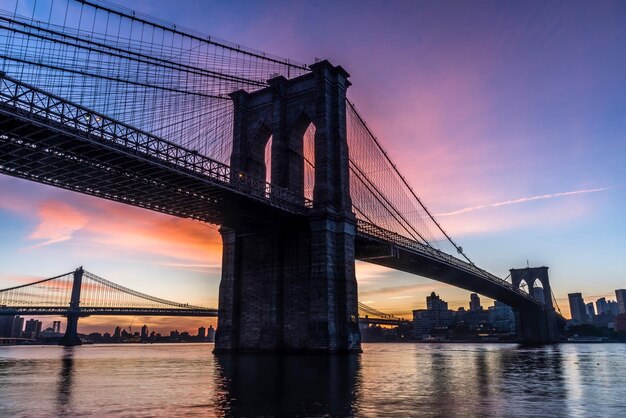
(460,106)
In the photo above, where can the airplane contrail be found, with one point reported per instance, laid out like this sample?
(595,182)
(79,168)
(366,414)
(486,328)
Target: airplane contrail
(522,200)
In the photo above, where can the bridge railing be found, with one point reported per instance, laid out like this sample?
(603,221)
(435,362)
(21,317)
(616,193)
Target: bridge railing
(38,105)
(396,239)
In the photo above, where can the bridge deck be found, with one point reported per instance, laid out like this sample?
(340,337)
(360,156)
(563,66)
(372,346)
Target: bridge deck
(49,140)
(87,311)
(378,246)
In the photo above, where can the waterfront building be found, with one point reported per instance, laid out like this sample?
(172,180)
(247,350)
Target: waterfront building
(591,312)
(502,317)
(202,332)
(434,319)
(620,295)
(577,307)
(601,307)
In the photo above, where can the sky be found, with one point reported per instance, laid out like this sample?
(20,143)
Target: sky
(507,118)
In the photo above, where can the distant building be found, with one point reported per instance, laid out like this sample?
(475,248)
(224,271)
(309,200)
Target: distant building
(539,294)
(6,326)
(117,333)
(577,307)
(601,307)
(210,335)
(620,322)
(435,303)
(32,328)
(501,316)
(435,319)
(56,326)
(591,312)
(620,294)
(18,327)
(475,303)
(202,332)
(144,333)
(612,307)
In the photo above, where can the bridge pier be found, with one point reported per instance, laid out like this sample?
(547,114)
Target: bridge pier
(71,337)
(289,290)
(290,285)
(535,324)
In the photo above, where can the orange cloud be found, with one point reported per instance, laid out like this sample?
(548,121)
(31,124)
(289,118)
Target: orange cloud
(115,229)
(58,221)
(159,324)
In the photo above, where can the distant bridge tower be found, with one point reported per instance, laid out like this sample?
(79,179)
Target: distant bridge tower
(71,331)
(289,285)
(535,324)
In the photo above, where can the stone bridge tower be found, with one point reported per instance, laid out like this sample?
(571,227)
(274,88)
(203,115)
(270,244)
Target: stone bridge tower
(290,285)
(535,324)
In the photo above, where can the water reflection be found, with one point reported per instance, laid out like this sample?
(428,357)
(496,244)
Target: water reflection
(441,381)
(533,373)
(266,385)
(64,384)
(436,380)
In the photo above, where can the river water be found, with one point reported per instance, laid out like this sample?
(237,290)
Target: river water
(401,380)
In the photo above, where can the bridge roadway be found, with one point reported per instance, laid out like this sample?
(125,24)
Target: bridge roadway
(49,140)
(87,311)
(108,311)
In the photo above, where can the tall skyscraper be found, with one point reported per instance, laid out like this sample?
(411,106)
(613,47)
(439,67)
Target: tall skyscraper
(601,307)
(56,326)
(577,307)
(475,303)
(32,328)
(210,334)
(201,332)
(144,332)
(620,294)
(591,312)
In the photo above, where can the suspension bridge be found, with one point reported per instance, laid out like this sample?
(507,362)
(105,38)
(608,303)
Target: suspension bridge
(81,293)
(101,100)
